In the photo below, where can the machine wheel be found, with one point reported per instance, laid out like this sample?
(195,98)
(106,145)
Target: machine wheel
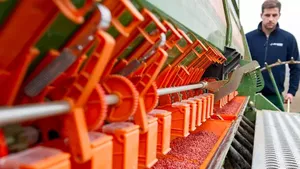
(96,109)
(151,98)
(128,97)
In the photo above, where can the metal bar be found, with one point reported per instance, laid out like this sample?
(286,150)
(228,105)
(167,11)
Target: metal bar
(111,99)
(17,114)
(288,105)
(170,90)
(278,63)
(228,21)
(275,86)
(21,113)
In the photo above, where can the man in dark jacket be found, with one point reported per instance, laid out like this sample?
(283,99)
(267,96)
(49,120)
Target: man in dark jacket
(267,44)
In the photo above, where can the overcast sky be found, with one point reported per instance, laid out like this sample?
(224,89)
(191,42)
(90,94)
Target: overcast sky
(251,10)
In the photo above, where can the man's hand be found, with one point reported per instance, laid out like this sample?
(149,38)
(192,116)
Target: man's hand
(287,97)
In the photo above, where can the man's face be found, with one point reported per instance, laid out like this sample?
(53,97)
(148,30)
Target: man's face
(270,18)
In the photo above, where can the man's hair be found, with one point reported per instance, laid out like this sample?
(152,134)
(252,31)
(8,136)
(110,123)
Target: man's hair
(268,4)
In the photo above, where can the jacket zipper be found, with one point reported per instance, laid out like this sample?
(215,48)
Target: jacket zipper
(266,49)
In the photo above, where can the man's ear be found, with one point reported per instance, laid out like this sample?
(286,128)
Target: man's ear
(261,15)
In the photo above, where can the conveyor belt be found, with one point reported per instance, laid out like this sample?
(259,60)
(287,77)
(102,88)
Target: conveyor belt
(277,140)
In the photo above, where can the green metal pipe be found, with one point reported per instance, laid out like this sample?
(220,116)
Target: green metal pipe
(274,84)
(229,27)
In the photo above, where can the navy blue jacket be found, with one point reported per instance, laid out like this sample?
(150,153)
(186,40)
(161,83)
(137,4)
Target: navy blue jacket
(280,45)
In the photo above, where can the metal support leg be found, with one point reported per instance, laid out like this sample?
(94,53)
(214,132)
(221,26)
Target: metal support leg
(275,86)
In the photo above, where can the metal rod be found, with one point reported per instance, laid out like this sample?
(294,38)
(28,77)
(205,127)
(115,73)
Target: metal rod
(22,113)
(170,90)
(17,114)
(111,99)
(114,99)
(275,87)
(288,105)
(278,63)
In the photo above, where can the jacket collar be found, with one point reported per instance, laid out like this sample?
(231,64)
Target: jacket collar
(260,27)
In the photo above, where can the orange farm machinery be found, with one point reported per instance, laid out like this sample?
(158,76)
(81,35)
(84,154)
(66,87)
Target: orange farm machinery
(125,84)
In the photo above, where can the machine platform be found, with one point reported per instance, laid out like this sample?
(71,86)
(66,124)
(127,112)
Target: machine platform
(277,141)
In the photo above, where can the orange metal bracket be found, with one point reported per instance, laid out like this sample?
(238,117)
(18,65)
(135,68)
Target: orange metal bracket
(139,72)
(170,71)
(145,83)
(66,78)
(185,53)
(169,79)
(122,42)
(70,11)
(90,74)
(15,46)
(186,38)
(183,74)
(174,36)
(80,91)
(12,83)
(192,68)
(10,32)
(150,38)
(84,36)
(117,8)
